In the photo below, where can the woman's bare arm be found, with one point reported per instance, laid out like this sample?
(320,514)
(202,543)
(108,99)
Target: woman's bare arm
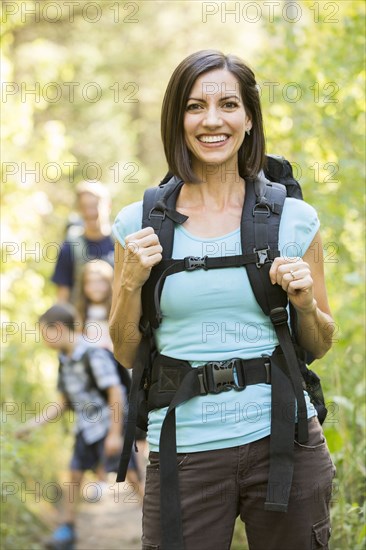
(303,280)
(132,268)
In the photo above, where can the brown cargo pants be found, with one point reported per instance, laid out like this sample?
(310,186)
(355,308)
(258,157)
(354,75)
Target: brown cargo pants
(218,486)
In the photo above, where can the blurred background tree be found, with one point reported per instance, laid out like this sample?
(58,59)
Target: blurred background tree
(82,86)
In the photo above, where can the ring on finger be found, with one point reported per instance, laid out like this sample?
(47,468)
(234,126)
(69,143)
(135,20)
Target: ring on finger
(292,274)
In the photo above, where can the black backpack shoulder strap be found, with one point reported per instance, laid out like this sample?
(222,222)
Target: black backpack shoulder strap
(141,363)
(260,224)
(61,383)
(260,228)
(86,359)
(158,212)
(123,375)
(278,169)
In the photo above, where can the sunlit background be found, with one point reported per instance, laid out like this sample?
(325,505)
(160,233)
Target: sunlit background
(82,87)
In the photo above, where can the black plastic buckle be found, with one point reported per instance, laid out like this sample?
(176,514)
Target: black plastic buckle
(262,255)
(218,376)
(279,315)
(194,262)
(267,366)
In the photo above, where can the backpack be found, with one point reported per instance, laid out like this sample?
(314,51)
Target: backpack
(286,369)
(86,359)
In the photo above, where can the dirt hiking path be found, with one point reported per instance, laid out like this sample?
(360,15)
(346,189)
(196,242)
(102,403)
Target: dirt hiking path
(112,522)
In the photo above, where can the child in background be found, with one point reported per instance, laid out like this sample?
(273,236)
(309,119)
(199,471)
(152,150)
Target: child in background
(93,393)
(94,305)
(94,302)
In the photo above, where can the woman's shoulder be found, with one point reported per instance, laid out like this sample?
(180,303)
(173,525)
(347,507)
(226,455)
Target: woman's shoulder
(294,208)
(299,224)
(128,220)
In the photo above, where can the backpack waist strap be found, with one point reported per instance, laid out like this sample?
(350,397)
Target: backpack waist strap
(219,376)
(213,377)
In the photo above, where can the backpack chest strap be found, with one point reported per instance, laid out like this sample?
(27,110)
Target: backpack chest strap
(191,263)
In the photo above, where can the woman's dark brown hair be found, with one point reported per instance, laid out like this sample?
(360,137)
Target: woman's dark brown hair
(251,153)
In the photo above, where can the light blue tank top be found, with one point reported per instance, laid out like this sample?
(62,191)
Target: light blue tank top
(213,316)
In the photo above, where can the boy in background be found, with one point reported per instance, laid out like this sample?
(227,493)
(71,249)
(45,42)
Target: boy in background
(93,390)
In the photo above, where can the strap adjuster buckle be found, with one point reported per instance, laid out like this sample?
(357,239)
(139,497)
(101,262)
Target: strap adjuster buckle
(218,376)
(262,207)
(267,366)
(156,213)
(279,316)
(195,262)
(262,255)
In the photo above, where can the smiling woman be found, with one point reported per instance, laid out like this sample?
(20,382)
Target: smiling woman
(230,83)
(231,416)
(215,121)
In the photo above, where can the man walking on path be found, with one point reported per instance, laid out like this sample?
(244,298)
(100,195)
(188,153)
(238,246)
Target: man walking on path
(93,241)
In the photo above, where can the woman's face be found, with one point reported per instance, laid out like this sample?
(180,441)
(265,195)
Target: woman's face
(96,287)
(215,120)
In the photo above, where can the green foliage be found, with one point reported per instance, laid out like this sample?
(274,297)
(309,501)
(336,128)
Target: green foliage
(31,469)
(314,70)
